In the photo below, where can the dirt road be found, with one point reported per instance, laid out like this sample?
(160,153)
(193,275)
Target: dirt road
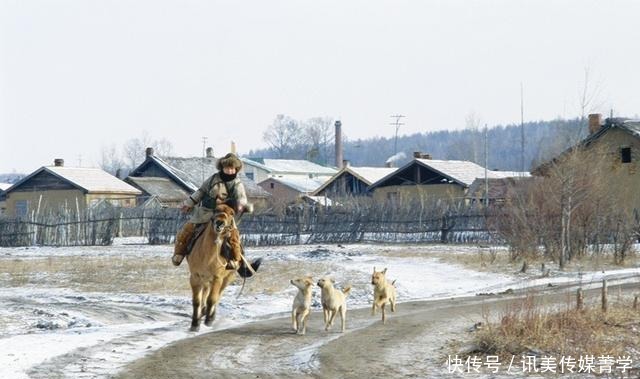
(411,344)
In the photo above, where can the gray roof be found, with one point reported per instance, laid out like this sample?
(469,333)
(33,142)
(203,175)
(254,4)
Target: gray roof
(290,166)
(90,180)
(368,175)
(461,172)
(165,189)
(191,172)
(300,183)
(465,172)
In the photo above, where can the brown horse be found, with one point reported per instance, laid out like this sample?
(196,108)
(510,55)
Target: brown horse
(208,264)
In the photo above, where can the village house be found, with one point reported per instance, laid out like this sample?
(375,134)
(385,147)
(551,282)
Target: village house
(352,181)
(500,190)
(617,142)
(3,197)
(432,179)
(290,189)
(171,180)
(260,169)
(53,189)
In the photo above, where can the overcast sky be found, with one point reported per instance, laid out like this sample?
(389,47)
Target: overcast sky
(77,76)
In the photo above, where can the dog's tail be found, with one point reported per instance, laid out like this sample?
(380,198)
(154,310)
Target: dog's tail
(346,290)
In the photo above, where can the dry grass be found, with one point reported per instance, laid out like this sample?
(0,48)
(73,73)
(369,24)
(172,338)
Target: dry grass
(137,274)
(526,327)
(498,260)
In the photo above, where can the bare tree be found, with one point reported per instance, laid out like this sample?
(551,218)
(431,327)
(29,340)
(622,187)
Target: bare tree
(317,134)
(284,135)
(134,148)
(111,161)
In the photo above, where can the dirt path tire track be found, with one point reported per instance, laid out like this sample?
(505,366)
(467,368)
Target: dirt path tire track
(409,345)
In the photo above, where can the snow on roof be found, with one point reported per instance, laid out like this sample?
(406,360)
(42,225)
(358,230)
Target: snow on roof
(370,174)
(291,166)
(322,200)
(465,172)
(164,188)
(301,183)
(4,186)
(193,171)
(93,180)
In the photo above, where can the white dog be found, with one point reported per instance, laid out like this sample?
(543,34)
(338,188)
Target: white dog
(383,292)
(333,301)
(301,304)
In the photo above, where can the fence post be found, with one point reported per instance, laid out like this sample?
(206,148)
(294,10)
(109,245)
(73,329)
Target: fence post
(580,301)
(605,300)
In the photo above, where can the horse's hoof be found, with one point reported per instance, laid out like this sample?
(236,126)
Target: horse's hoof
(194,328)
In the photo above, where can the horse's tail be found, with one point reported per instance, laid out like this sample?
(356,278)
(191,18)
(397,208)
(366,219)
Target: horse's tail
(245,272)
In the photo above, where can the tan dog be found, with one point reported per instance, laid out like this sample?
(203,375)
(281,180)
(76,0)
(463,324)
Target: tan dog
(301,304)
(333,301)
(383,292)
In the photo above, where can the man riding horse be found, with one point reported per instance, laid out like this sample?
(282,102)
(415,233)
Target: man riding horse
(223,187)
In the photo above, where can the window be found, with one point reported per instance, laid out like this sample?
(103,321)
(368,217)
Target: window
(272,185)
(625,154)
(249,175)
(22,208)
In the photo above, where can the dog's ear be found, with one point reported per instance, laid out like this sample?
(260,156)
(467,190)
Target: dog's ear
(332,281)
(384,271)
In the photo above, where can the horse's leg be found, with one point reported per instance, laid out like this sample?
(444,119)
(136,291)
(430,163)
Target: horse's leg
(217,287)
(196,293)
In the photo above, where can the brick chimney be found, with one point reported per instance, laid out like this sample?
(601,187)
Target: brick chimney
(338,144)
(346,163)
(421,155)
(595,122)
(148,152)
(209,152)
(58,162)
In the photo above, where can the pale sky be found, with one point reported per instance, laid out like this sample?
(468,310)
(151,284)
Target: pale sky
(77,76)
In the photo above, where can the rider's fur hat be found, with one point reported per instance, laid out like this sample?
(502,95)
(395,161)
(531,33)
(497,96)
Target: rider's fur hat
(230,160)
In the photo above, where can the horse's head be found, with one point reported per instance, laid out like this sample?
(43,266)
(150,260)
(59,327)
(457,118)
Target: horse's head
(223,220)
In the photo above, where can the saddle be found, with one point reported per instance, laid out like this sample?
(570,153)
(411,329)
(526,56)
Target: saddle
(225,250)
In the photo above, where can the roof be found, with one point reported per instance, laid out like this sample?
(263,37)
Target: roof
(191,172)
(290,166)
(165,189)
(300,183)
(4,186)
(498,187)
(89,180)
(368,175)
(461,172)
(322,200)
(628,125)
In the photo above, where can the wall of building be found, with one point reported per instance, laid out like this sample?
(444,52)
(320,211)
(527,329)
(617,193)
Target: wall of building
(56,200)
(406,192)
(623,179)
(280,192)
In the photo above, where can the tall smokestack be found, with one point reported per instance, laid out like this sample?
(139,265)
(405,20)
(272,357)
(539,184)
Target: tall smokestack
(338,144)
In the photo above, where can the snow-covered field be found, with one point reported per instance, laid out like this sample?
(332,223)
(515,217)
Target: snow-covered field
(91,321)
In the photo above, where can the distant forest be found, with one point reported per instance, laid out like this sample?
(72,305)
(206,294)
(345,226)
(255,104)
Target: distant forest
(542,141)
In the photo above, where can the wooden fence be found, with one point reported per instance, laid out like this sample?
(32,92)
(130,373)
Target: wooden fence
(307,226)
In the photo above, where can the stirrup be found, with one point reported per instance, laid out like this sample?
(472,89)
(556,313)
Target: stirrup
(232,265)
(176,259)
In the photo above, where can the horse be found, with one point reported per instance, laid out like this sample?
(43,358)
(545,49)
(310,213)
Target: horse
(208,267)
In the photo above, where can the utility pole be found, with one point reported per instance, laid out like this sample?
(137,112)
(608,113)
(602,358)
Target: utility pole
(397,124)
(204,156)
(486,163)
(521,128)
